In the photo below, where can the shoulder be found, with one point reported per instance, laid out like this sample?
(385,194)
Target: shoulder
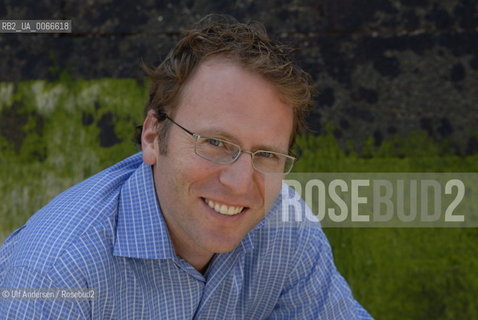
(290,231)
(73,223)
(292,218)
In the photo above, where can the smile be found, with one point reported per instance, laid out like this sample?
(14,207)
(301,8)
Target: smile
(222,208)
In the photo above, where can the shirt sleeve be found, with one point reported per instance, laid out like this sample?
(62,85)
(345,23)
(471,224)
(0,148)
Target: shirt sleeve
(315,289)
(18,280)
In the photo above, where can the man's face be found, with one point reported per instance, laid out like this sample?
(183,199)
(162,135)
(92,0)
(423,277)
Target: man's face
(222,100)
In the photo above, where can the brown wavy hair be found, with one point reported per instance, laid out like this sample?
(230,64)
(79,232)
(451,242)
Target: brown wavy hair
(245,43)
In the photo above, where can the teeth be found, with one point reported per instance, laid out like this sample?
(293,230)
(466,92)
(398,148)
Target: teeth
(223,209)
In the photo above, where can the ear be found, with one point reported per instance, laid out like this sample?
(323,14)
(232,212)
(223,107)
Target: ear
(149,138)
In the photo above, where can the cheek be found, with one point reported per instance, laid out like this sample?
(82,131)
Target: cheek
(192,173)
(272,187)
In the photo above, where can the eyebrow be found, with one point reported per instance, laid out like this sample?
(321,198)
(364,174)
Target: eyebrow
(226,136)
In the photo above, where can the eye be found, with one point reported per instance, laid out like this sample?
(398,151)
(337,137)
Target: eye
(266,154)
(215,142)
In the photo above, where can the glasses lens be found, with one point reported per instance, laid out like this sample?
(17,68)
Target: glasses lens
(216,150)
(272,162)
(224,152)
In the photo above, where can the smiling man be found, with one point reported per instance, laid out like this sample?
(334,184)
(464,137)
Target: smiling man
(209,207)
(184,229)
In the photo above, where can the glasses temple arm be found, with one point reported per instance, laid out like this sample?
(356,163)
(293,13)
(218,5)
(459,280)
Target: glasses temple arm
(163,116)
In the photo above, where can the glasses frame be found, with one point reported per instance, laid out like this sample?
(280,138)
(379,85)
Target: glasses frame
(197,136)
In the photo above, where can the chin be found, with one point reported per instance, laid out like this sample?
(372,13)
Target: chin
(224,246)
(225,250)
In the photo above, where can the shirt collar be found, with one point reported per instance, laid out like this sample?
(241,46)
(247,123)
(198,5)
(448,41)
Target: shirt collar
(141,231)
(247,244)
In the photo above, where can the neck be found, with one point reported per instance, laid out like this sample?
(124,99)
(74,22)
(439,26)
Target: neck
(199,260)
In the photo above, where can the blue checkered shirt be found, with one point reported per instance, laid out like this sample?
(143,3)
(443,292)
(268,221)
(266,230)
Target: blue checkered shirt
(108,234)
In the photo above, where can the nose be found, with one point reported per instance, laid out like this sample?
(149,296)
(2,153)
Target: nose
(239,175)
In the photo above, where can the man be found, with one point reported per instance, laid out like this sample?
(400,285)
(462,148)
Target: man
(185,229)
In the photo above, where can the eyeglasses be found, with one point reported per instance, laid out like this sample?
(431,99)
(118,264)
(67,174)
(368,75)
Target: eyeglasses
(225,152)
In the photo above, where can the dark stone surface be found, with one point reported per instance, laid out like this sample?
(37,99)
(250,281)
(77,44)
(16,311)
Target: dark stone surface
(17,123)
(107,134)
(87,119)
(383,67)
(12,121)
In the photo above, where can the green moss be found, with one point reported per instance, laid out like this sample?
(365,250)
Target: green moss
(57,149)
(413,153)
(401,273)
(6,94)
(410,273)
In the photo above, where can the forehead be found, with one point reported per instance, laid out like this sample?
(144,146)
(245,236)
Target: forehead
(223,95)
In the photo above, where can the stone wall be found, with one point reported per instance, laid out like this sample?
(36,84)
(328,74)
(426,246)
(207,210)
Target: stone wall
(384,67)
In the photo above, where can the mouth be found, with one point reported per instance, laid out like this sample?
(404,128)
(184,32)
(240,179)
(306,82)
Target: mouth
(223,208)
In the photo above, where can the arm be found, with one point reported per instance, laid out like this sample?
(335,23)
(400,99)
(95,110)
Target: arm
(23,308)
